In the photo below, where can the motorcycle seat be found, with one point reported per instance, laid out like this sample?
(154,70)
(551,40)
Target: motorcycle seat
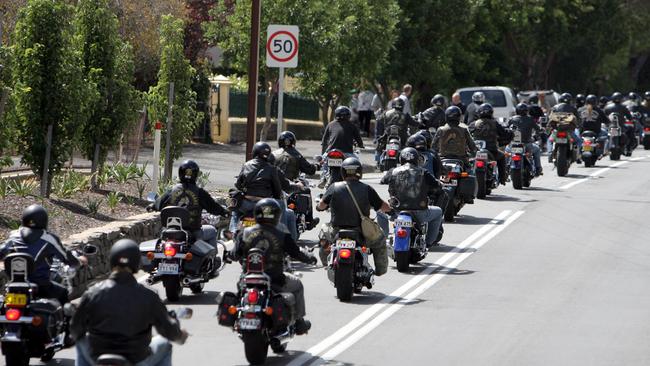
(46,306)
(175,234)
(113,360)
(589,134)
(349,234)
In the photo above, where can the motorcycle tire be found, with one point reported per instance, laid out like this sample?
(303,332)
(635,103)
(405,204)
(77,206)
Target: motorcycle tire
(256,347)
(482,185)
(646,145)
(527,180)
(402,261)
(589,162)
(450,212)
(344,282)
(16,357)
(615,154)
(278,347)
(562,163)
(197,288)
(173,288)
(516,175)
(47,355)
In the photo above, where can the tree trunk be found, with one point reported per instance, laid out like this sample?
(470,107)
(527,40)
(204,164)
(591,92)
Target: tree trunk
(94,167)
(324,107)
(635,70)
(268,103)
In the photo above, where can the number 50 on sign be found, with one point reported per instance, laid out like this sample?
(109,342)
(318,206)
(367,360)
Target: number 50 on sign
(282,46)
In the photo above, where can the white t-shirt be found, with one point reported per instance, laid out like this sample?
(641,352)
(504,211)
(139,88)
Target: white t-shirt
(407,103)
(365,100)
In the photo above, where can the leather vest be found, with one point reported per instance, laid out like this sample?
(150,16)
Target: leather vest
(187,197)
(271,241)
(288,163)
(408,185)
(452,141)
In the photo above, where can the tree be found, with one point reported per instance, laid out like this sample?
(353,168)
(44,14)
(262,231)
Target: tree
(7,131)
(174,67)
(108,62)
(49,88)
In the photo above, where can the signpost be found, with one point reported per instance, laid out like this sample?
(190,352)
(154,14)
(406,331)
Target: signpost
(281,52)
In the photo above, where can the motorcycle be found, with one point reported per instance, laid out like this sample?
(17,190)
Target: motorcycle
(564,151)
(593,148)
(408,241)
(301,204)
(31,327)
(459,185)
(615,137)
(118,360)
(261,316)
(522,165)
(334,159)
(177,258)
(349,269)
(485,170)
(646,135)
(631,141)
(389,158)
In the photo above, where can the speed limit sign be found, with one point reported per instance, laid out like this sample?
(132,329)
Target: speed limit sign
(282,46)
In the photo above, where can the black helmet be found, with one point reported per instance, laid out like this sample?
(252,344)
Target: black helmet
(398,103)
(286,139)
(485,110)
(438,100)
(478,97)
(188,171)
(261,150)
(342,113)
(591,100)
(125,253)
(409,155)
(522,109)
(267,212)
(453,114)
(580,99)
(351,167)
(427,136)
(418,142)
(646,95)
(617,97)
(565,98)
(634,97)
(603,100)
(35,217)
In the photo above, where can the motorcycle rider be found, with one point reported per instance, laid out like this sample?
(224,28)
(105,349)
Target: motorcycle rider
(592,117)
(565,106)
(116,315)
(645,109)
(616,106)
(602,102)
(471,114)
(339,134)
(277,244)
(430,160)
(289,160)
(453,141)
(526,125)
(633,104)
(410,188)
(33,238)
(580,101)
(195,199)
(345,214)
(434,117)
(488,129)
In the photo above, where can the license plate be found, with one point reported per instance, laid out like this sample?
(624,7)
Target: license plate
(392,147)
(334,162)
(168,268)
(586,148)
(561,140)
(451,182)
(16,299)
(404,223)
(249,324)
(517,150)
(346,244)
(481,156)
(248,222)
(614,132)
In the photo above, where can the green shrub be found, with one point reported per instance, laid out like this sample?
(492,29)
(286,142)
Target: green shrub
(141,186)
(93,205)
(103,176)
(112,200)
(203,179)
(4,188)
(123,173)
(23,187)
(69,183)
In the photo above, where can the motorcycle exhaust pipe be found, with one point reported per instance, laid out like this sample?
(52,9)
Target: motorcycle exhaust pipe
(152,280)
(189,281)
(282,338)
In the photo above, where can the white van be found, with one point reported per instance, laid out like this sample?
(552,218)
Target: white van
(501,98)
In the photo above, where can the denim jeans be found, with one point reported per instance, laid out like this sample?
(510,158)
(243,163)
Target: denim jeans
(161,353)
(432,216)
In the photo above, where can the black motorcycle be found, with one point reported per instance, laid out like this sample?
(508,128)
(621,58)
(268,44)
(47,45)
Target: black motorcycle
(390,156)
(485,170)
(459,185)
(301,204)
(261,316)
(522,165)
(177,258)
(616,137)
(349,269)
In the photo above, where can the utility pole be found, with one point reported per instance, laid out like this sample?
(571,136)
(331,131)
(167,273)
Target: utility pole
(253,65)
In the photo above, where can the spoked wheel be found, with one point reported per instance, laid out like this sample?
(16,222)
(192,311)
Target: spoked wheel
(255,347)
(343,280)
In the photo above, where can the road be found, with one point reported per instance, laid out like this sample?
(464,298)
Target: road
(557,274)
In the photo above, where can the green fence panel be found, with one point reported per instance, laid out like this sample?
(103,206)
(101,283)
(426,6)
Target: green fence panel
(295,106)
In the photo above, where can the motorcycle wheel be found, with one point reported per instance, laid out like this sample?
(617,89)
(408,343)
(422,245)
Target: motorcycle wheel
(517,178)
(48,355)
(615,154)
(173,288)
(589,162)
(562,163)
(402,261)
(278,347)
(197,288)
(646,146)
(16,357)
(344,282)
(256,347)
(450,212)
(482,188)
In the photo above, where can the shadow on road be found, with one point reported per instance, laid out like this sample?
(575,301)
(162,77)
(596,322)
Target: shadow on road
(503,198)
(576,176)
(473,220)
(442,248)
(204,298)
(56,362)
(541,189)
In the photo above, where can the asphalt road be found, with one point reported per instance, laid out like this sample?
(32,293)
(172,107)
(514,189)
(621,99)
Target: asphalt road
(557,274)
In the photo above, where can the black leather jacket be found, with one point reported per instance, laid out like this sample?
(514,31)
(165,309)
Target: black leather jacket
(411,186)
(117,316)
(260,179)
(526,125)
(433,117)
(192,197)
(621,110)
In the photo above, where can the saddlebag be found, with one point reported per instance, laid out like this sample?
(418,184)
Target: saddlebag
(201,251)
(467,187)
(302,202)
(226,300)
(51,312)
(283,305)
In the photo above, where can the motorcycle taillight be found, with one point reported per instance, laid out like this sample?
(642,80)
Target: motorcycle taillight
(480,164)
(401,233)
(516,157)
(170,250)
(12,314)
(392,153)
(253,296)
(562,134)
(335,155)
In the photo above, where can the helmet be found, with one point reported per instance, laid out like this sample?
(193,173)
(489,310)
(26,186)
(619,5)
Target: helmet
(453,114)
(603,100)
(351,167)
(485,111)
(286,139)
(398,103)
(188,171)
(565,98)
(261,150)
(409,155)
(125,253)
(591,99)
(478,97)
(342,113)
(522,109)
(580,99)
(418,142)
(646,95)
(438,100)
(267,212)
(35,217)
(427,136)
(634,97)
(617,97)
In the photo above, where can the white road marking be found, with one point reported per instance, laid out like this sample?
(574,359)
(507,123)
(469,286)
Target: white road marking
(595,174)
(638,158)
(370,312)
(392,309)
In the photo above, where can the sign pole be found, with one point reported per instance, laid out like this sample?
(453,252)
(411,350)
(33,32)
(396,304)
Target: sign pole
(253,63)
(168,134)
(156,157)
(280,101)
